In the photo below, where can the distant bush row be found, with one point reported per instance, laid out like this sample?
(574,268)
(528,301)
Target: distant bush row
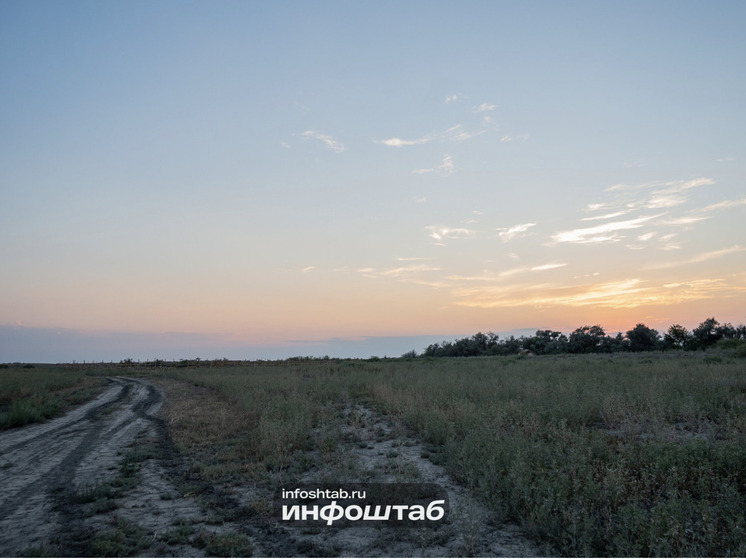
(593,339)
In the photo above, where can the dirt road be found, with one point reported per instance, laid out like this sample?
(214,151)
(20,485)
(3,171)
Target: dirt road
(59,477)
(44,467)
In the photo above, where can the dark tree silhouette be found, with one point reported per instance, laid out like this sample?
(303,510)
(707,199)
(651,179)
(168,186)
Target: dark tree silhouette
(587,339)
(642,338)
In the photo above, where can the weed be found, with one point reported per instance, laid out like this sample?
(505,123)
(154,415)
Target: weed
(37,394)
(125,539)
(228,544)
(180,535)
(43,550)
(95,492)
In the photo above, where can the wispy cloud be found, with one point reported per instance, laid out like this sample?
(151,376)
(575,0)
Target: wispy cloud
(605,233)
(684,220)
(664,196)
(605,216)
(452,134)
(446,167)
(491,292)
(491,277)
(484,107)
(650,195)
(616,294)
(669,186)
(508,234)
(440,233)
(334,145)
(699,258)
(420,274)
(724,205)
(545,267)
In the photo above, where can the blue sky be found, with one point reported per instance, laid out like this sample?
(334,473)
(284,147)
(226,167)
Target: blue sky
(260,174)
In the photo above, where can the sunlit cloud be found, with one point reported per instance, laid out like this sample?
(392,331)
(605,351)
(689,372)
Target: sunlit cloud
(491,277)
(419,274)
(544,267)
(649,195)
(724,205)
(699,258)
(308,269)
(594,207)
(664,201)
(334,145)
(605,216)
(617,294)
(451,99)
(508,234)
(440,233)
(670,186)
(406,271)
(626,293)
(398,142)
(608,232)
(672,195)
(683,220)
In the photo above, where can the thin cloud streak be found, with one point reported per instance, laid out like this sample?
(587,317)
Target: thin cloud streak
(445,168)
(452,134)
(486,277)
(724,205)
(440,233)
(625,293)
(508,234)
(334,145)
(703,257)
(601,233)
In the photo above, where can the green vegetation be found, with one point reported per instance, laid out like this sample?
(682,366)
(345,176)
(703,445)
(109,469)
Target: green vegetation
(124,539)
(34,394)
(610,455)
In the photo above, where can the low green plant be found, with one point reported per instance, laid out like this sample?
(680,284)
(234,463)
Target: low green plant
(227,544)
(40,393)
(124,540)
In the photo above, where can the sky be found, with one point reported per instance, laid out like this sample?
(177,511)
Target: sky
(260,179)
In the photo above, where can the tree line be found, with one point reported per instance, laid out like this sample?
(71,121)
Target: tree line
(592,339)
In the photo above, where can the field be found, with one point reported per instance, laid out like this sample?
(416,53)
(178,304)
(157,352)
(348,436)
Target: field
(29,394)
(623,455)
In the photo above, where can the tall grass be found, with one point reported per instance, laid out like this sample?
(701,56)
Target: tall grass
(592,455)
(278,408)
(30,395)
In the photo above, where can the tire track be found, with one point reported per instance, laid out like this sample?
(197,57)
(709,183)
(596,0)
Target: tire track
(42,466)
